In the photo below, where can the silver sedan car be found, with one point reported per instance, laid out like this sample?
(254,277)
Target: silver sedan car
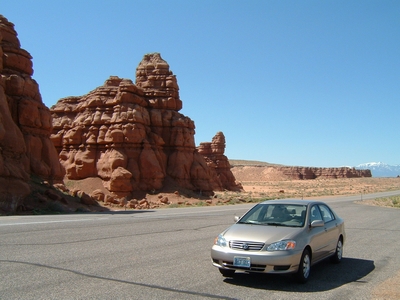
(280,237)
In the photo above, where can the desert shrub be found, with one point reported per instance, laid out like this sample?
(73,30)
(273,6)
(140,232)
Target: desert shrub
(393,201)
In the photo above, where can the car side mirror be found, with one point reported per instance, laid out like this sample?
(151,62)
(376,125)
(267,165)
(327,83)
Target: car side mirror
(236,218)
(317,223)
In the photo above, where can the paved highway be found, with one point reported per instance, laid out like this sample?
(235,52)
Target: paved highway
(165,254)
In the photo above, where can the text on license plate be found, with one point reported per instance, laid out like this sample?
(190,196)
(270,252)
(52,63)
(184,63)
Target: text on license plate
(241,261)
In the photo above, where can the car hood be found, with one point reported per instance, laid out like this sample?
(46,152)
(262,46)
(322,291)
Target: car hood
(260,233)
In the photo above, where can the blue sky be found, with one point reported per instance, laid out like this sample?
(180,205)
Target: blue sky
(304,83)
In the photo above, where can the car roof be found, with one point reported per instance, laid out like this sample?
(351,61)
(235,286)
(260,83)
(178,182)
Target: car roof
(291,201)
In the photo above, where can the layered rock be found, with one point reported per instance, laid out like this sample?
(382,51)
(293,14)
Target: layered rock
(326,173)
(270,173)
(132,135)
(25,124)
(213,153)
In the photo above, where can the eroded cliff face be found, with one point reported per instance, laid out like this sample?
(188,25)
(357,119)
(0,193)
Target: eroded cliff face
(132,135)
(325,173)
(25,124)
(272,173)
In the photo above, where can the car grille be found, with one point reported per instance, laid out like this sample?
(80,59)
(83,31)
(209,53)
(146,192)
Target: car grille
(245,245)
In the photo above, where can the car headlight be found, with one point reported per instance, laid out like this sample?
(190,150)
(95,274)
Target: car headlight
(282,245)
(220,241)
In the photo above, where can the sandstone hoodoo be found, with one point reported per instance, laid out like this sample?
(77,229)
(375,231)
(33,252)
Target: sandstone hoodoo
(214,154)
(25,124)
(133,137)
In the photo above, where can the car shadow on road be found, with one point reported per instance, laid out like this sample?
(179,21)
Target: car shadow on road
(324,276)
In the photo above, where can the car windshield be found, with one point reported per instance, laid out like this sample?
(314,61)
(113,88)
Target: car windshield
(292,215)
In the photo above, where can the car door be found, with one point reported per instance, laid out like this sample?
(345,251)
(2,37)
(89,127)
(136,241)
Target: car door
(318,241)
(331,229)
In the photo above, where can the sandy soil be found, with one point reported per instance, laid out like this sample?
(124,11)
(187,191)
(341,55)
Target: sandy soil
(387,290)
(319,187)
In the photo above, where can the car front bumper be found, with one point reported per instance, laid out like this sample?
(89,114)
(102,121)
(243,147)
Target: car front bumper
(278,262)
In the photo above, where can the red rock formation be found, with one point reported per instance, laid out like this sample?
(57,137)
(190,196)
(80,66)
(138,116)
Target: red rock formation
(214,154)
(131,135)
(327,173)
(271,173)
(25,124)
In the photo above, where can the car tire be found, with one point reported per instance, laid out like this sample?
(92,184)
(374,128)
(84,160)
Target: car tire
(337,256)
(303,272)
(226,272)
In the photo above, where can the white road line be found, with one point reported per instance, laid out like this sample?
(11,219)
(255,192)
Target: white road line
(47,222)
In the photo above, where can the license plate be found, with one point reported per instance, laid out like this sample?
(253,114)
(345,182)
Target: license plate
(240,261)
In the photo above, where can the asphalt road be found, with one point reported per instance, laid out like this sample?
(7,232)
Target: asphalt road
(165,254)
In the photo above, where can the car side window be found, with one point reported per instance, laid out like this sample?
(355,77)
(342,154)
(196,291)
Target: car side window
(327,215)
(315,213)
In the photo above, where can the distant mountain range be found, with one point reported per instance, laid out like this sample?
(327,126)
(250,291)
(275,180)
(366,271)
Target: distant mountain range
(379,169)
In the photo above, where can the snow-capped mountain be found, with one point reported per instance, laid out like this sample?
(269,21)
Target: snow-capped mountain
(379,169)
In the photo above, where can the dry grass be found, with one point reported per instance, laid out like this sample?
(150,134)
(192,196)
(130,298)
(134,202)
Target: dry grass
(393,201)
(260,190)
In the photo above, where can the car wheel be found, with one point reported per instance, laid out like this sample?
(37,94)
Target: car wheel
(337,257)
(226,272)
(304,267)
